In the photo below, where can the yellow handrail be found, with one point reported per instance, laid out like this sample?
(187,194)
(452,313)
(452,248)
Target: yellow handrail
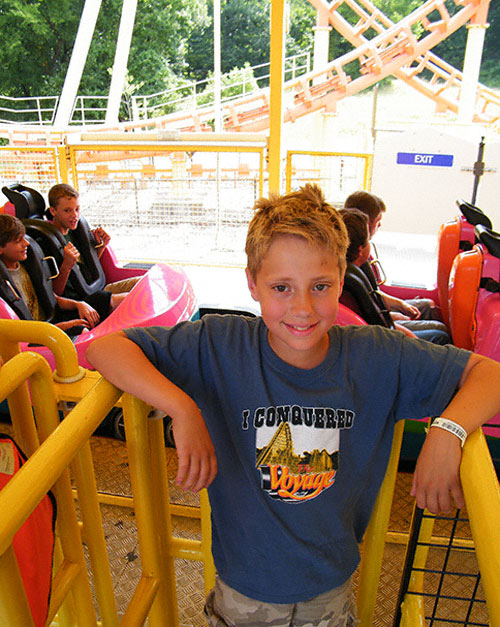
(482,498)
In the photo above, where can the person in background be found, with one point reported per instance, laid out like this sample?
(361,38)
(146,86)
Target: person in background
(358,253)
(417,313)
(71,316)
(64,212)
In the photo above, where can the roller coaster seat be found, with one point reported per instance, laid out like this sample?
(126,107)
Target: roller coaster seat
(30,206)
(488,304)
(474,279)
(477,322)
(455,237)
(41,270)
(27,201)
(359,295)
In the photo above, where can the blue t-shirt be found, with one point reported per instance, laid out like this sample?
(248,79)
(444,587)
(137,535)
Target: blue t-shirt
(301,453)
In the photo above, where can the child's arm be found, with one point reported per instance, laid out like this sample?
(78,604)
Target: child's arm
(70,257)
(102,238)
(124,364)
(85,311)
(397,304)
(69,324)
(437,469)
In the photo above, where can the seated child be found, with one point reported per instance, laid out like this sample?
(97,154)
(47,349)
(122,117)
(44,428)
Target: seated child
(13,251)
(358,253)
(64,212)
(298,416)
(414,313)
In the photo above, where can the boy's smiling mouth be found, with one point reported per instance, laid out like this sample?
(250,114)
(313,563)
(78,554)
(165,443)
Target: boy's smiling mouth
(300,328)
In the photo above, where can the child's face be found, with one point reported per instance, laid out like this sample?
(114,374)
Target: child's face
(14,251)
(67,214)
(364,251)
(374,225)
(298,288)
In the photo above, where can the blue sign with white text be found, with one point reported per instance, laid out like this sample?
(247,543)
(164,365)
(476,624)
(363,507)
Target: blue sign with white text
(424,158)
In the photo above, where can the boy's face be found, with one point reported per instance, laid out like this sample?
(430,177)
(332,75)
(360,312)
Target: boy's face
(298,288)
(374,225)
(66,214)
(364,251)
(14,251)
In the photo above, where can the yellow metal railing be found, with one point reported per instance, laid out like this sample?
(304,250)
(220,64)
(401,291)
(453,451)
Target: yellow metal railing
(337,173)
(482,497)
(53,446)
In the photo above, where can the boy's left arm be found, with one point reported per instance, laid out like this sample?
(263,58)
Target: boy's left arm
(436,476)
(85,311)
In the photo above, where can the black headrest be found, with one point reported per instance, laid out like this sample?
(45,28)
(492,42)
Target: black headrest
(489,238)
(28,202)
(40,269)
(369,302)
(473,214)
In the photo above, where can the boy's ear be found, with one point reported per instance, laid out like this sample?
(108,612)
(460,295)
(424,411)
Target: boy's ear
(52,211)
(251,284)
(342,277)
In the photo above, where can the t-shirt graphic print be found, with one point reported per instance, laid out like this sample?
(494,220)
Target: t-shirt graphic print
(297,449)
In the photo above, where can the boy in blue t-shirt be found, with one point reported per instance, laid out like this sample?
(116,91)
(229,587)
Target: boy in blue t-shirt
(289,419)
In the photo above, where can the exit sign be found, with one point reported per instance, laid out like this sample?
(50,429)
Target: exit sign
(425,158)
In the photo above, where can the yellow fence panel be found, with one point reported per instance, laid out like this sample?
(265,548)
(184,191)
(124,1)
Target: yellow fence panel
(35,167)
(338,174)
(58,450)
(179,202)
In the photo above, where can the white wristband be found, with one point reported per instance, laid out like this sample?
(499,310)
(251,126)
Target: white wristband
(452,427)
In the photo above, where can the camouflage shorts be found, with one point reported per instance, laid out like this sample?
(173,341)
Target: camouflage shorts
(227,607)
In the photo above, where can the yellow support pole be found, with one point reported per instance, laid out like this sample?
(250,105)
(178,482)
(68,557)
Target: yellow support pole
(14,607)
(276,93)
(62,155)
(148,476)
(374,540)
(483,506)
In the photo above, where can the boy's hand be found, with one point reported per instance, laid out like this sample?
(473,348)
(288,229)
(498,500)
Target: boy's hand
(409,310)
(70,255)
(69,324)
(101,237)
(197,461)
(436,478)
(88,313)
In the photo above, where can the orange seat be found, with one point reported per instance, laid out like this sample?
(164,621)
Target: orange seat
(463,291)
(448,249)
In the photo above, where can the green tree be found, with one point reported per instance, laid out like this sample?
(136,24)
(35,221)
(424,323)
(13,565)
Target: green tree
(40,34)
(245,36)
(37,40)
(452,49)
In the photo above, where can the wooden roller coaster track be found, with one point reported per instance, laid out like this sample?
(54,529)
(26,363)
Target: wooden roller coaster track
(395,49)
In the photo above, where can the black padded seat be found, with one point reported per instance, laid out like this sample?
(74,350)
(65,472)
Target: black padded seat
(370,305)
(490,239)
(473,214)
(30,206)
(52,242)
(41,270)
(28,202)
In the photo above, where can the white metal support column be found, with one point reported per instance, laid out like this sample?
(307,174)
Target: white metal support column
(470,75)
(77,62)
(321,40)
(129,9)
(217,66)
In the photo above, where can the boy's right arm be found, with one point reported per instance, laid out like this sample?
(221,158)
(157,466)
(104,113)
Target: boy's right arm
(70,257)
(122,362)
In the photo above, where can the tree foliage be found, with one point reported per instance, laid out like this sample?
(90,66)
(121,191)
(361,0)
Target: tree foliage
(173,41)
